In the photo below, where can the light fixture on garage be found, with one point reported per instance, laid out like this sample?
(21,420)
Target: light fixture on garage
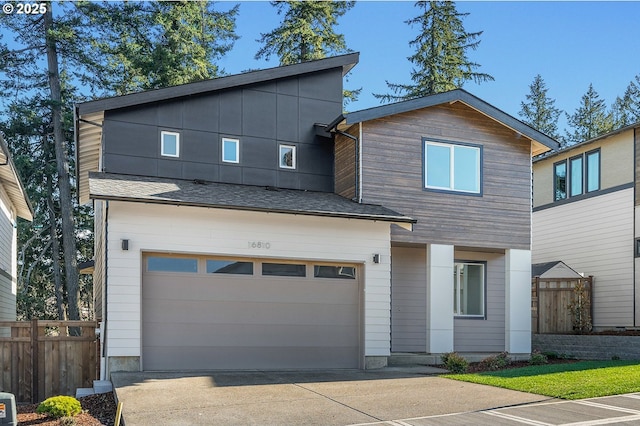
(125,244)
(376,258)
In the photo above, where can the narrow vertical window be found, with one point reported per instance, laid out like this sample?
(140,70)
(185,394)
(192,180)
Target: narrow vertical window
(230,150)
(593,171)
(560,181)
(287,157)
(169,144)
(468,289)
(576,181)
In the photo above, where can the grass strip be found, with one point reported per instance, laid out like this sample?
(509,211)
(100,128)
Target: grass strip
(584,379)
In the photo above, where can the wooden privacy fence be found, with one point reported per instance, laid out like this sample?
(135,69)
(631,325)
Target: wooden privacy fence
(550,300)
(40,359)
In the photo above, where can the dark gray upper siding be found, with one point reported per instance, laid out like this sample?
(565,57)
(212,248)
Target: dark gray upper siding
(261,116)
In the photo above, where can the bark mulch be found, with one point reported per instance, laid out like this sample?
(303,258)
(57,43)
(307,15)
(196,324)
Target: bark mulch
(97,410)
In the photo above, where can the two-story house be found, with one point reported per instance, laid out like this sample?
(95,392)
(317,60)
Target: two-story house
(13,204)
(585,203)
(244,222)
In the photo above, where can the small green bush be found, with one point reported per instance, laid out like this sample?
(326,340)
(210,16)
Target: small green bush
(454,362)
(538,358)
(60,406)
(496,362)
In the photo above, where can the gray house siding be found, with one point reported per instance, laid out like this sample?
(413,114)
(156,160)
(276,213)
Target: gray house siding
(261,116)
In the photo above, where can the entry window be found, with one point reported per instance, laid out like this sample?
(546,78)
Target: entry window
(172,264)
(468,289)
(230,150)
(327,271)
(170,144)
(452,167)
(287,157)
(229,267)
(284,269)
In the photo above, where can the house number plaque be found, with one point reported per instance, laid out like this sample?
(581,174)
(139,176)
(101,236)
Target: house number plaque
(259,244)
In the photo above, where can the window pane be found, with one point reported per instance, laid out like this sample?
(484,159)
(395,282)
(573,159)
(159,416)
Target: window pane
(560,181)
(593,171)
(229,267)
(172,264)
(576,176)
(469,289)
(284,269)
(345,272)
(438,163)
(466,168)
(170,144)
(230,150)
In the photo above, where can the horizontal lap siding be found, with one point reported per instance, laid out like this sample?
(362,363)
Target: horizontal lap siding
(392,176)
(345,164)
(595,237)
(222,232)
(7,261)
(98,271)
(409,299)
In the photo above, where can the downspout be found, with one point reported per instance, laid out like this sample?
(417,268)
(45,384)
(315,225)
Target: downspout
(104,371)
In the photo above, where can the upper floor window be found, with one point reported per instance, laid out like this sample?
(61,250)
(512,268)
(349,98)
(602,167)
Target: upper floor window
(452,167)
(230,150)
(582,176)
(468,289)
(287,156)
(169,144)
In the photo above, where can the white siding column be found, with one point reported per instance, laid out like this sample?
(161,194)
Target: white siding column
(518,301)
(439,298)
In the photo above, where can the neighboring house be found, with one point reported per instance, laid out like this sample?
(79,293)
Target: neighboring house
(554,269)
(584,213)
(13,204)
(239,227)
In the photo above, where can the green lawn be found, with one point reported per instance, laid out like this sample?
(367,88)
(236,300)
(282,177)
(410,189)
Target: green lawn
(584,379)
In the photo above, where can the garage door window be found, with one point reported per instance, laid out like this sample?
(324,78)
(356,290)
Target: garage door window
(284,269)
(172,264)
(330,271)
(229,267)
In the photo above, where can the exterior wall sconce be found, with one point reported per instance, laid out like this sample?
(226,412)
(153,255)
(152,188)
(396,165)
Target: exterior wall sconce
(125,244)
(376,258)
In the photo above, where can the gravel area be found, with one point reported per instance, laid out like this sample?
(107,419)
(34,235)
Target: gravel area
(97,410)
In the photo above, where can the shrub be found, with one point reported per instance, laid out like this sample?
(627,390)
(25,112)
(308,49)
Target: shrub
(538,358)
(454,362)
(496,362)
(60,406)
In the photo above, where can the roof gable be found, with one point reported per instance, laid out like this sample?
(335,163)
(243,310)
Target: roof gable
(11,183)
(458,95)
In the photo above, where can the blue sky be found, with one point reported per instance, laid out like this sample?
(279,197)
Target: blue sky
(571,44)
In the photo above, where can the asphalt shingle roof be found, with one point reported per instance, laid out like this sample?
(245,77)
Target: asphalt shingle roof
(110,186)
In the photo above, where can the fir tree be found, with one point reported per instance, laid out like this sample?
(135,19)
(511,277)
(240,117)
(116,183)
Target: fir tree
(539,111)
(590,120)
(440,61)
(626,109)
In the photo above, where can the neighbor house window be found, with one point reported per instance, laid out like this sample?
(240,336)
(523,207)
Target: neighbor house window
(230,150)
(287,157)
(468,289)
(170,144)
(582,176)
(452,167)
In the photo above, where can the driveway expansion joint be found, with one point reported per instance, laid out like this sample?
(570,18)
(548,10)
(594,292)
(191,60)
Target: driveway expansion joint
(337,402)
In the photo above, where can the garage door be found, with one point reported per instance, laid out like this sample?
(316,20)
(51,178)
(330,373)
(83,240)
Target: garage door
(202,313)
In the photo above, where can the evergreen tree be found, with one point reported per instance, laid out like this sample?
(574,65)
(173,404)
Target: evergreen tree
(590,120)
(440,61)
(306,32)
(626,109)
(539,111)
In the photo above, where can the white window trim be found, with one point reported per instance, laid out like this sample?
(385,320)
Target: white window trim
(457,301)
(293,159)
(177,135)
(451,186)
(237,144)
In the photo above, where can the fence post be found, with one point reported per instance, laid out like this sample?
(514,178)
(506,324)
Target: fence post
(537,305)
(34,361)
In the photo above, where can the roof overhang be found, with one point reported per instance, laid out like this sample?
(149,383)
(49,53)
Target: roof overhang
(12,185)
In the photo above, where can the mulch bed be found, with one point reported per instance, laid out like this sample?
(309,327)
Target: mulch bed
(97,410)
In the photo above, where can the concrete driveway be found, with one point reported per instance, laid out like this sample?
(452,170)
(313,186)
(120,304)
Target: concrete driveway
(333,397)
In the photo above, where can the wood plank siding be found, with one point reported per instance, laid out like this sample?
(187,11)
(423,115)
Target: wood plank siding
(392,157)
(346,163)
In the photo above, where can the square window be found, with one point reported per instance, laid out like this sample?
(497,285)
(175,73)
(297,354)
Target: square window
(230,150)
(287,157)
(170,144)
(452,167)
(468,289)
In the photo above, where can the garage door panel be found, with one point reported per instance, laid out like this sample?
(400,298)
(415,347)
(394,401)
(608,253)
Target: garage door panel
(197,321)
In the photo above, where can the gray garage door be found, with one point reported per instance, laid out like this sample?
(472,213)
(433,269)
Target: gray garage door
(202,313)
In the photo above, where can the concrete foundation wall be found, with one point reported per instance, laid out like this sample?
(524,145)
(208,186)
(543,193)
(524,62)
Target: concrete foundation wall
(592,347)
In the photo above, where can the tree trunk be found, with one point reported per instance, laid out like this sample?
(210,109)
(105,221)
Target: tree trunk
(62,166)
(55,255)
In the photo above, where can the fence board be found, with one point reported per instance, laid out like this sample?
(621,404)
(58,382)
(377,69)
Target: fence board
(550,300)
(41,359)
